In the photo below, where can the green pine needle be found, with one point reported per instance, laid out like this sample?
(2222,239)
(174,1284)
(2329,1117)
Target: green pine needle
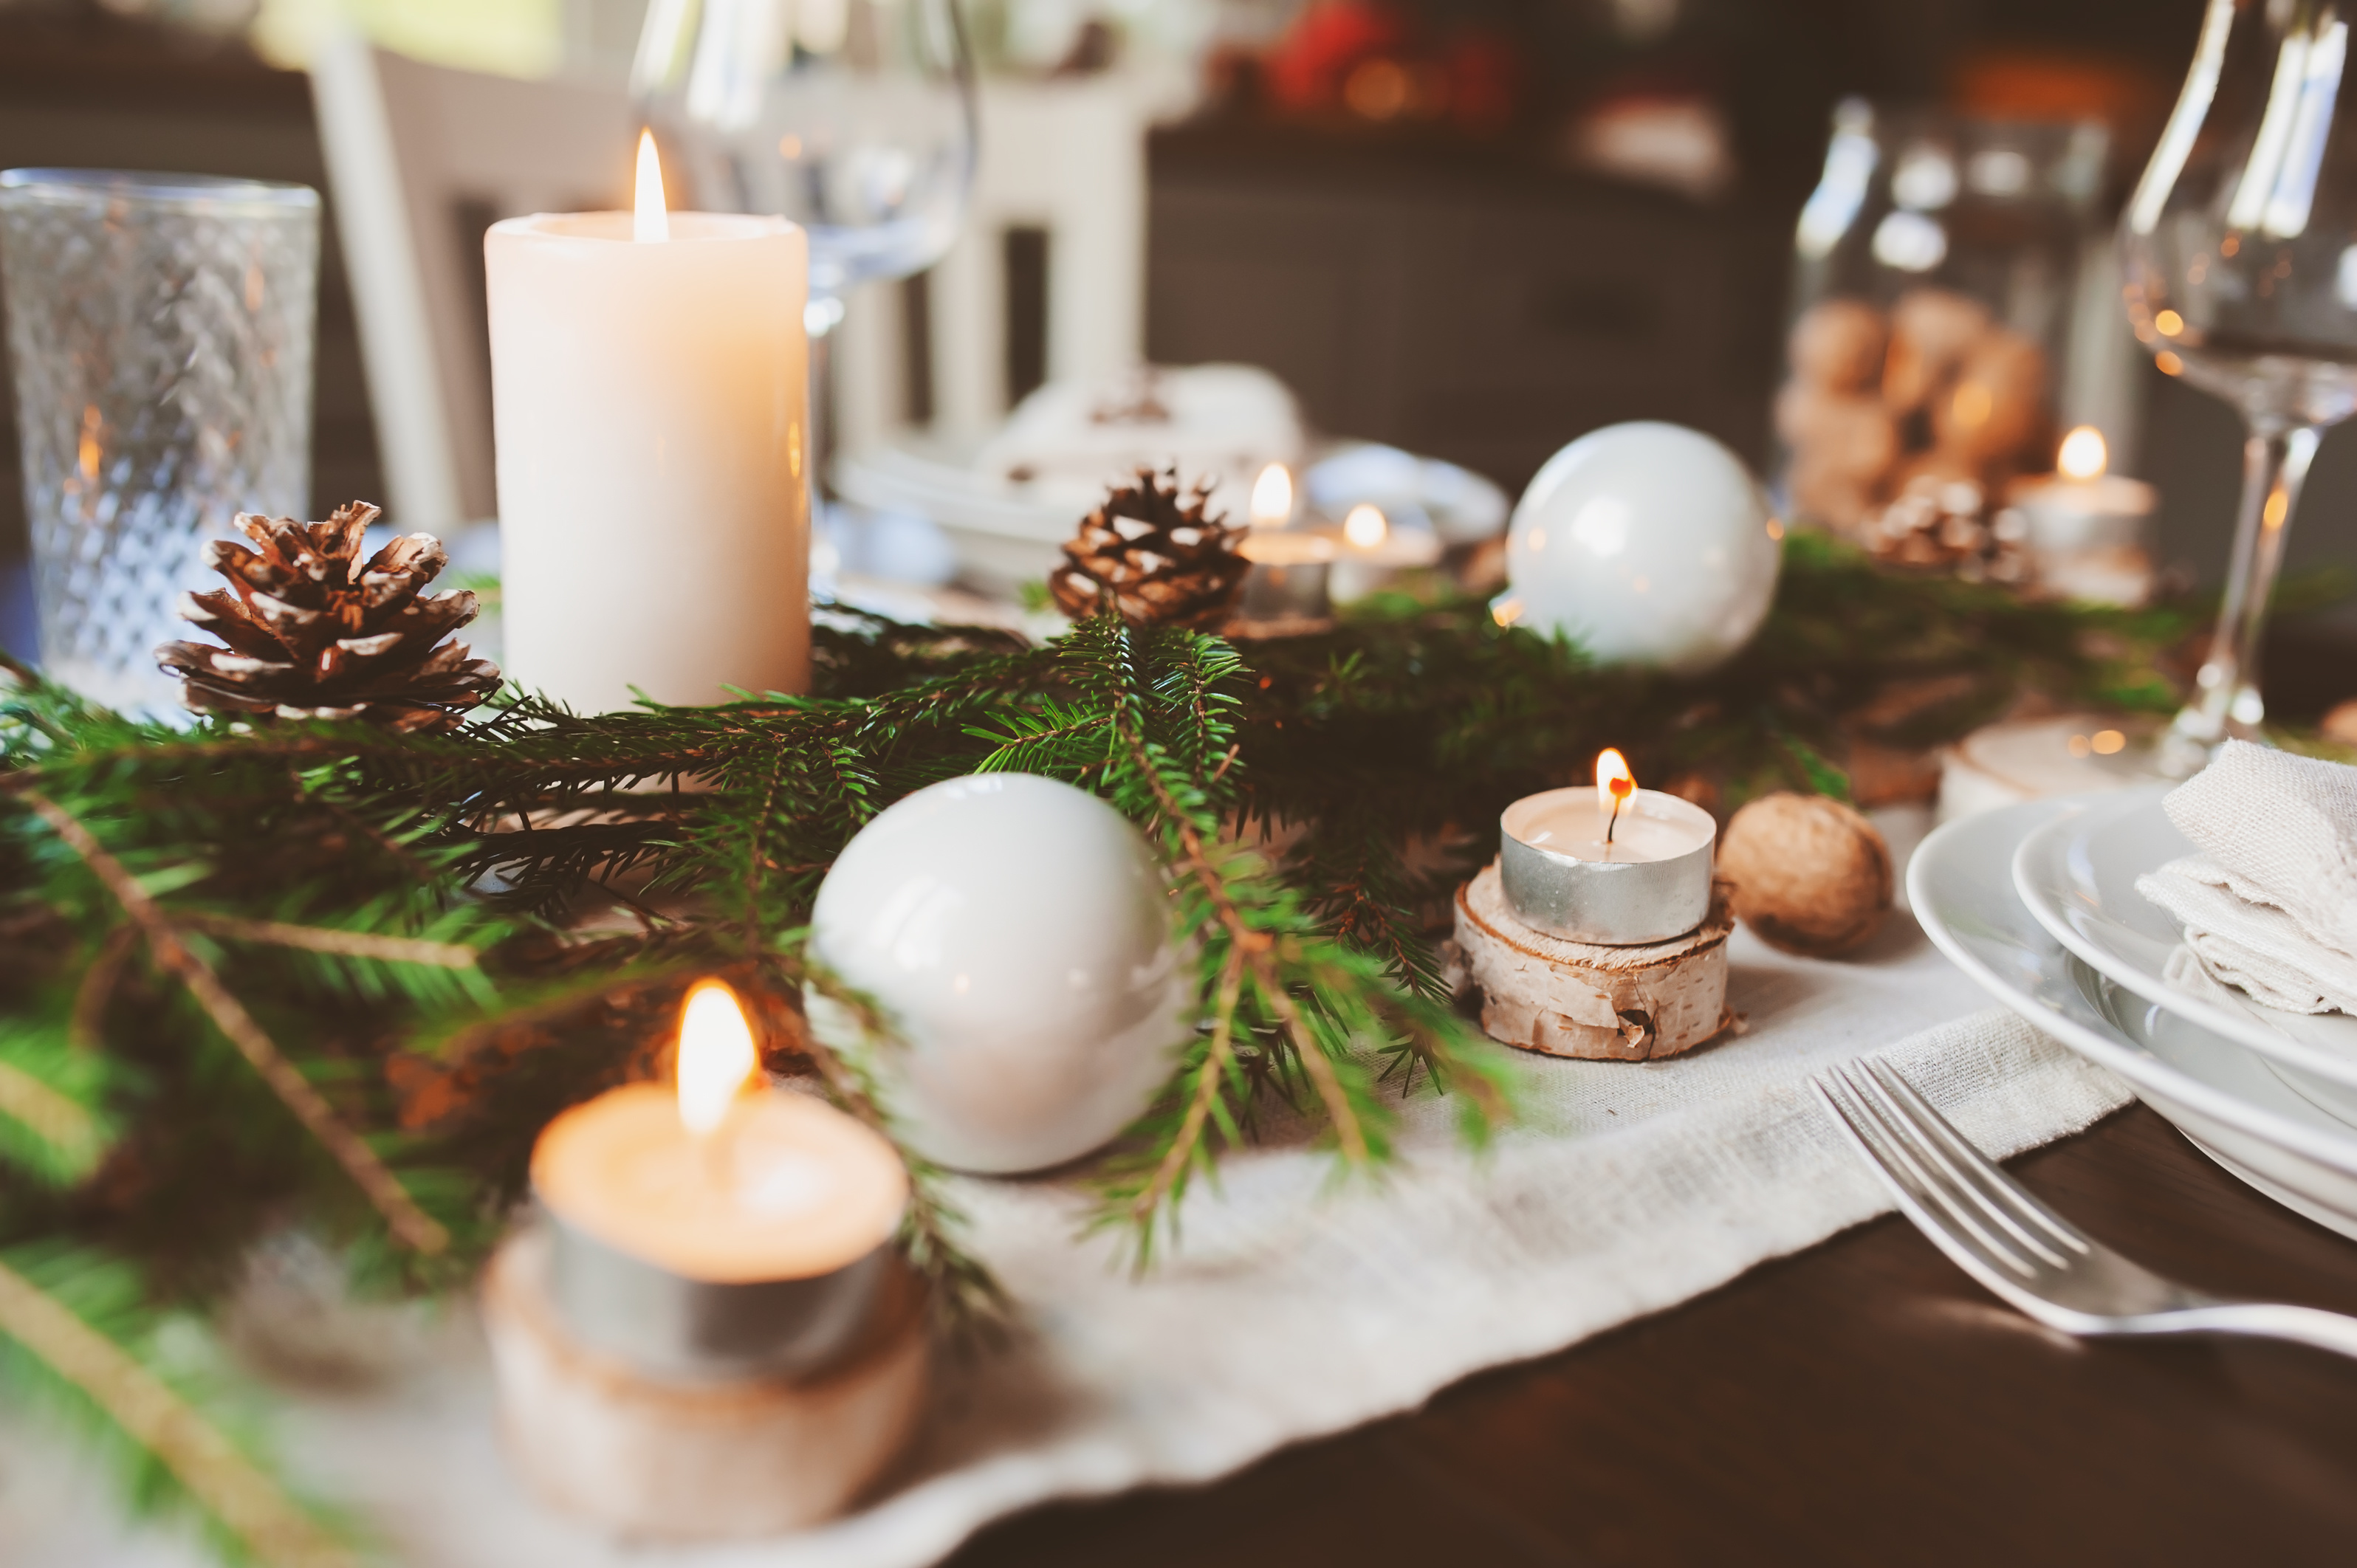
(452,938)
(148,1393)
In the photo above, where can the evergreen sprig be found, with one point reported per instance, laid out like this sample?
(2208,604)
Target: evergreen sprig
(329,977)
(1290,1007)
(81,1341)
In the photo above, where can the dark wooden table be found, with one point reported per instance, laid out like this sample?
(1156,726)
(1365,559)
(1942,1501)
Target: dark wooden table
(1861,1402)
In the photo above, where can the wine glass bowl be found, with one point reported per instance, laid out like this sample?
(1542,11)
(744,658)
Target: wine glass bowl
(2239,253)
(855,118)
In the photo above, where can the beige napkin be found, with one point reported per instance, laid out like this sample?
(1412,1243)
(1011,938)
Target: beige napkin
(2270,906)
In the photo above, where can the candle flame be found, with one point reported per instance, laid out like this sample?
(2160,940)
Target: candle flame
(1366,526)
(1272,496)
(1614,782)
(715,1056)
(2084,455)
(651,220)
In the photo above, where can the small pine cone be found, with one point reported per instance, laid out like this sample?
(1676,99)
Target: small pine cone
(1936,525)
(1156,553)
(315,632)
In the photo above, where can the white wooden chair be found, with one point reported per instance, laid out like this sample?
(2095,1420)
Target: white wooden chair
(421,159)
(1066,157)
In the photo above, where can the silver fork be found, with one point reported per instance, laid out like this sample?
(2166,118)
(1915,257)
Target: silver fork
(2024,1253)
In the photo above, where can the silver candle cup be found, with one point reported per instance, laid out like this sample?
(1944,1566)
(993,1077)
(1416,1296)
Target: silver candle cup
(1290,575)
(1611,903)
(666,1323)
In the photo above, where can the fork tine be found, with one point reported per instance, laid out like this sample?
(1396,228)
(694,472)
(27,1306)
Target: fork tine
(2014,1203)
(1939,1181)
(1945,1174)
(1950,1225)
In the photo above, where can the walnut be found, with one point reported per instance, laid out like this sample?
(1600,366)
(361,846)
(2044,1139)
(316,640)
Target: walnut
(1931,331)
(1997,406)
(1837,345)
(1809,875)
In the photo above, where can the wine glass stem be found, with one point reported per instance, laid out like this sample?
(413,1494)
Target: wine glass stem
(2226,701)
(819,319)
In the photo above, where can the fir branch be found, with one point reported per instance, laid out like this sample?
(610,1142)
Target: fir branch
(1403,727)
(52,1126)
(1822,777)
(1256,947)
(97,988)
(62,1123)
(370,1174)
(1203,1082)
(965,1299)
(597,973)
(216,1474)
(320,938)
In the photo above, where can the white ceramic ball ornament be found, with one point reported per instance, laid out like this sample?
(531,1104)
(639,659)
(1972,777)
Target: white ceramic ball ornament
(1016,931)
(1646,543)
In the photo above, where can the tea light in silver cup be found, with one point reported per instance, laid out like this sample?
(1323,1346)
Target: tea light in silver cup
(2090,532)
(1613,864)
(1374,550)
(1273,503)
(707,1233)
(1288,576)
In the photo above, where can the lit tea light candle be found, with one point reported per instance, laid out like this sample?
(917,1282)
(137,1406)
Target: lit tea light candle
(702,1230)
(1374,551)
(2082,505)
(2088,527)
(1271,506)
(1613,864)
(1288,580)
(649,389)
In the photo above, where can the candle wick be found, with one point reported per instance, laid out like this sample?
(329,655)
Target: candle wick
(1614,820)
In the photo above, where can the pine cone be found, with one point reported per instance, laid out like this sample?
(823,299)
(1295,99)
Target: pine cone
(314,632)
(1946,525)
(1155,552)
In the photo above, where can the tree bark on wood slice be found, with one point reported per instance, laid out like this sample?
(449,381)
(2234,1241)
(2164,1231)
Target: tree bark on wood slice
(667,1458)
(1577,999)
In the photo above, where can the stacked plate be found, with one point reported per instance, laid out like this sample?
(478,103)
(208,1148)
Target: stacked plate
(2037,903)
(1007,533)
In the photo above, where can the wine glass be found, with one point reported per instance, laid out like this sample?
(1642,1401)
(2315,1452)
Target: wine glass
(855,118)
(2240,251)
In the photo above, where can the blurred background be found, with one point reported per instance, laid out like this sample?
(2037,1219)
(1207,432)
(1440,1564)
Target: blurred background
(1475,229)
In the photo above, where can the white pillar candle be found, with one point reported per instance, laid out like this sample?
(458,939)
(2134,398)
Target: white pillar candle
(650,400)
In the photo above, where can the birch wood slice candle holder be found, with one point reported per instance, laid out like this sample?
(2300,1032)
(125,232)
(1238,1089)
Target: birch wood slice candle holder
(712,1333)
(1562,998)
(684,1457)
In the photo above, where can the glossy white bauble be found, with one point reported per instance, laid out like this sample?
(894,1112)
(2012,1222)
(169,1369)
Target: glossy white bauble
(1646,543)
(1017,932)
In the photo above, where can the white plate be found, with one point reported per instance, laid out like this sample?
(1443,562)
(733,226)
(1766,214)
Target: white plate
(2077,876)
(2220,1095)
(1007,533)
